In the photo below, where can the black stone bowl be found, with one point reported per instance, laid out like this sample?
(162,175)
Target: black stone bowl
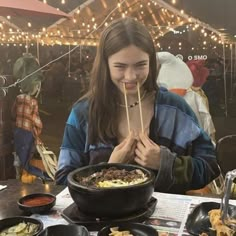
(65,230)
(110,202)
(12,221)
(134,229)
(44,207)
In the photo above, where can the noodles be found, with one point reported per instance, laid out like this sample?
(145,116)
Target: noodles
(119,183)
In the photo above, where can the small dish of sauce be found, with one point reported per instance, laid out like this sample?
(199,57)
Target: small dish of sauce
(37,202)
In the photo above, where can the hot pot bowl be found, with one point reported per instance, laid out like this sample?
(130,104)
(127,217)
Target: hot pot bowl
(110,202)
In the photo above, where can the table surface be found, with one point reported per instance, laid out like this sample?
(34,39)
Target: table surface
(16,189)
(169,216)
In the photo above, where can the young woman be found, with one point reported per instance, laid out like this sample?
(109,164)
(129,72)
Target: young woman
(166,138)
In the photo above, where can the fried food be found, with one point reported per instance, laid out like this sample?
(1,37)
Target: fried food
(115,232)
(217,224)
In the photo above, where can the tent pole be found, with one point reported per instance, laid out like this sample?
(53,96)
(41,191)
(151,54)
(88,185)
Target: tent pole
(225,89)
(38,51)
(69,74)
(26,45)
(234,75)
(231,72)
(80,54)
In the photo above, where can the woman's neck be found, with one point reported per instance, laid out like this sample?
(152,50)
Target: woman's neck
(133,99)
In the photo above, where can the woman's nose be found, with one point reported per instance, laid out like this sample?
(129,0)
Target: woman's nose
(130,74)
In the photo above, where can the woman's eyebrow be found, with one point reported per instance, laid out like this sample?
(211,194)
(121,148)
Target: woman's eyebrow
(139,62)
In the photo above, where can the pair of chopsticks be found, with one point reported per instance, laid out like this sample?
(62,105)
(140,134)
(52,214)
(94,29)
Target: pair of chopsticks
(140,107)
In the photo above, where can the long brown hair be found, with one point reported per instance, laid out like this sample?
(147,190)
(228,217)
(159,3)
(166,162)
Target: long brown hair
(103,94)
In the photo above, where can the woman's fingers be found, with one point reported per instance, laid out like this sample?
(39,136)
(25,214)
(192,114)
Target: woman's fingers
(139,161)
(124,152)
(127,142)
(144,139)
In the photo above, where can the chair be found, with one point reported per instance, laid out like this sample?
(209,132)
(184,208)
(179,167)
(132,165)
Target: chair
(226,153)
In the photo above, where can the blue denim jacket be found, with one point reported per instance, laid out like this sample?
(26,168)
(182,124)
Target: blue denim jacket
(188,158)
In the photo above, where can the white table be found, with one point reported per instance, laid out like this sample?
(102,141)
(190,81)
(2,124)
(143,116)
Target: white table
(168,218)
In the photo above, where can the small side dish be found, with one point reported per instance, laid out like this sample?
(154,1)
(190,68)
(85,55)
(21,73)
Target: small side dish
(64,230)
(37,203)
(20,229)
(20,226)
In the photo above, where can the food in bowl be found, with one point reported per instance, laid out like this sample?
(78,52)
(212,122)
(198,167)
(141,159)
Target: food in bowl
(20,226)
(20,229)
(38,201)
(116,232)
(128,229)
(217,224)
(110,202)
(112,177)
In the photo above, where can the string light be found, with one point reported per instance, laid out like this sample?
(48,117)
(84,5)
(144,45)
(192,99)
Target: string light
(89,24)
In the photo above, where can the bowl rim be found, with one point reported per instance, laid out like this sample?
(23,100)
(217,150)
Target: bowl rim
(124,224)
(33,195)
(72,183)
(67,226)
(26,218)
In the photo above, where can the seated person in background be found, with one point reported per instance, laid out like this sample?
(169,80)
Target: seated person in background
(171,142)
(178,78)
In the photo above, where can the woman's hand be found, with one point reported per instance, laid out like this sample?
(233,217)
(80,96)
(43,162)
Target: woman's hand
(124,152)
(147,152)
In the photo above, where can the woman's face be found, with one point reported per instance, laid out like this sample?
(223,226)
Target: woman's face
(129,66)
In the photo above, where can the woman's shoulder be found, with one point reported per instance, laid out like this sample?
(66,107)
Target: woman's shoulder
(81,106)
(170,99)
(79,113)
(165,96)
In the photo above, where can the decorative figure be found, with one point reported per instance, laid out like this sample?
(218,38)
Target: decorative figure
(28,125)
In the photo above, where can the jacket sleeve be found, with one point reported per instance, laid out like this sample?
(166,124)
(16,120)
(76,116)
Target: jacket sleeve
(179,173)
(72,154)
(188,159)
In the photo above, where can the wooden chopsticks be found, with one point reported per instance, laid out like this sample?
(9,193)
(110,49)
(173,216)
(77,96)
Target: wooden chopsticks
(127,108)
